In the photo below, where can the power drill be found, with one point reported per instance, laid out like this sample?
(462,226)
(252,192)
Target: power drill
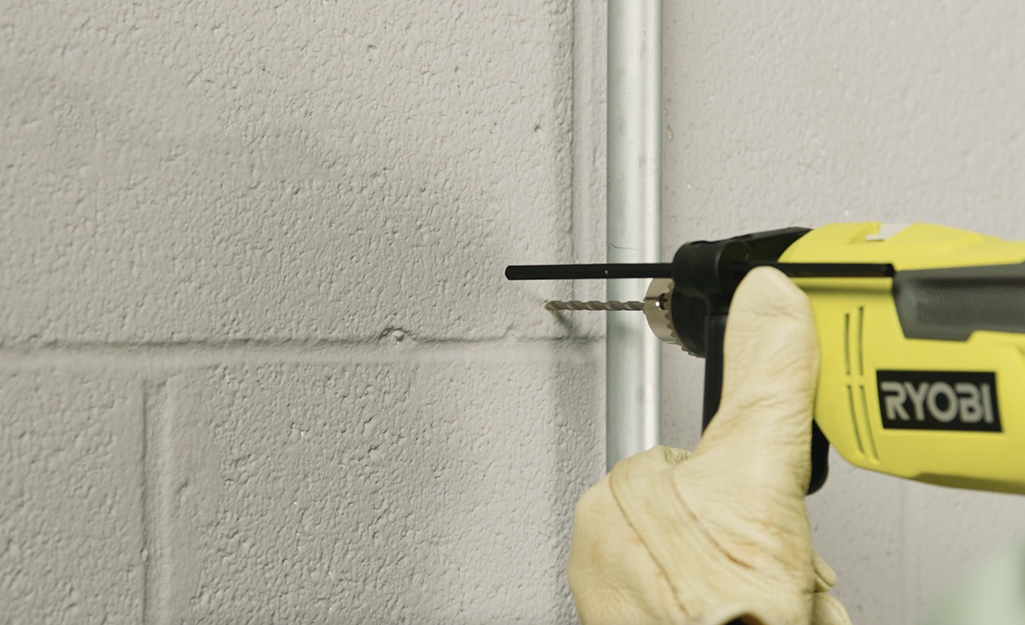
(921,331)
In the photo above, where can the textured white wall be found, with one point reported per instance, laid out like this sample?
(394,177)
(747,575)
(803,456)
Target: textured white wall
(258,362)
(797,113)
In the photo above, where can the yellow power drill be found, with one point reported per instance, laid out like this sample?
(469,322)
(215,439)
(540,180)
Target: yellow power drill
(921,331)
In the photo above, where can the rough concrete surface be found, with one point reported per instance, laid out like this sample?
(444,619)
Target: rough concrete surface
(71,507)
(211,171)
(949,531)
(257,363)
(258,360)
(318,494)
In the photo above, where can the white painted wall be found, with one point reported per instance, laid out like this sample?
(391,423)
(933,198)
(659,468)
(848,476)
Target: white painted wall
(257,362)
(797,113)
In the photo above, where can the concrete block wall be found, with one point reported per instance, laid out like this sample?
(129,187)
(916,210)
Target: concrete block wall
(257,363)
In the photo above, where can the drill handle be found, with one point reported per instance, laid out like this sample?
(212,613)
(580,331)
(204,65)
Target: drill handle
(715,333)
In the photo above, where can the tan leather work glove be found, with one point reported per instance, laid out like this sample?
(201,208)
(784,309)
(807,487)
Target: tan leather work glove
(723,534)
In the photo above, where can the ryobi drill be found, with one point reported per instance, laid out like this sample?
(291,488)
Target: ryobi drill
(921,332)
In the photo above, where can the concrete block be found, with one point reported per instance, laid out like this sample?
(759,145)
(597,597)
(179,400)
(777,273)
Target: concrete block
(947,531)
(71,511)
(338,171)
(857,527)
(683,378)
(789,114)
(412,490)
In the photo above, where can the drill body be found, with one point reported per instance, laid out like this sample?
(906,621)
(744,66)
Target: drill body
(922,374)
(921,332)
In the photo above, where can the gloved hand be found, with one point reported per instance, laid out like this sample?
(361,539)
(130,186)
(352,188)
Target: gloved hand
(723,534)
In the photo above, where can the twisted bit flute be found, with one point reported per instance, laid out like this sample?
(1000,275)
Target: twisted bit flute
(552,305)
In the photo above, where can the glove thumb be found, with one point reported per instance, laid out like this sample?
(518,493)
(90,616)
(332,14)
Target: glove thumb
(770,367)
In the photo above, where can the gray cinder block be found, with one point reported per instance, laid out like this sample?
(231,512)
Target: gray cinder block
(329,173)
(71,498)
(407,490)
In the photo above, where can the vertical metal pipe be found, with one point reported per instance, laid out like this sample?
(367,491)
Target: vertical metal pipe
(633,363)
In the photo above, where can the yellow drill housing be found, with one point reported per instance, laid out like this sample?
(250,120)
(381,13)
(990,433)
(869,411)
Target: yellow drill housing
(922,375)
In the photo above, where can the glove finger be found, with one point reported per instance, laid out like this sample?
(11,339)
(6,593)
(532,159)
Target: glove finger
(658,458)
(769,376)
(829,611)
(825,576)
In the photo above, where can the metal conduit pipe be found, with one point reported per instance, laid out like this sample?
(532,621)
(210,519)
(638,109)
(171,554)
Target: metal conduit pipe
(633,365)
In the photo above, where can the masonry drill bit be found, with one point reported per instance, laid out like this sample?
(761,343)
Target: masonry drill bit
(592,305)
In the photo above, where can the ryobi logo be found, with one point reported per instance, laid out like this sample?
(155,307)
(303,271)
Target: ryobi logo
(938,400)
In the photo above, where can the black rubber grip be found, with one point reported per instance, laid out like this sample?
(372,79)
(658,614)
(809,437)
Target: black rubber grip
(949,304)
